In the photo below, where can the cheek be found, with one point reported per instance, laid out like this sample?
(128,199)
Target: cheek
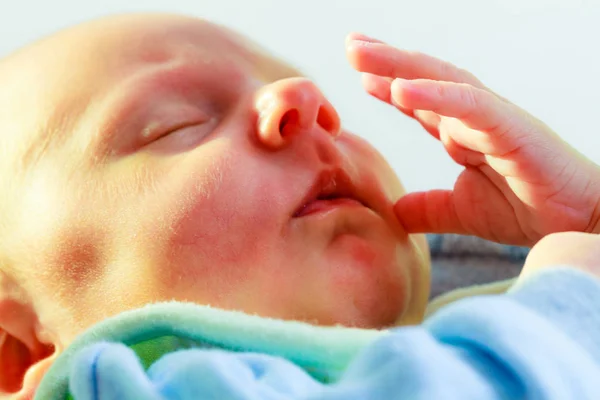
(227,217)
(370,161)
(376,287)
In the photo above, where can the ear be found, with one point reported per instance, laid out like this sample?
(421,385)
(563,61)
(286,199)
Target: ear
(23,356)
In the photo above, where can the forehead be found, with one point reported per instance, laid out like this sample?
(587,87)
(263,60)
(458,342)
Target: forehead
(112,46)
(69,68)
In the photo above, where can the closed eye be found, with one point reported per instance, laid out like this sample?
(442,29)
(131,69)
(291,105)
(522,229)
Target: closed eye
(184,136)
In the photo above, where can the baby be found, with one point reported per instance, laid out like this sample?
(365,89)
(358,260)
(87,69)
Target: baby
(150,158)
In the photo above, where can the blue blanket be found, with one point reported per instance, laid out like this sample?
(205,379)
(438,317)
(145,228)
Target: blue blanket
(540,341)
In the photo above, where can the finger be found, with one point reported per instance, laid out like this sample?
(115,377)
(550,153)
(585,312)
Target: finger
(461,154)
(375,57)
(429,212)
(379,87)
(490,123)
(430,121)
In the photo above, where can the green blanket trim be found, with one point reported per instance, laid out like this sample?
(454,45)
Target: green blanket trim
(158,329)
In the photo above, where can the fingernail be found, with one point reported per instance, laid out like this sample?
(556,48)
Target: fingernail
(361,43)
(360,39)
(402,83)
(363,38)
(399,89)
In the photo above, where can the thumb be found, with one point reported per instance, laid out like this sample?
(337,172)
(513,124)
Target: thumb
(429,212)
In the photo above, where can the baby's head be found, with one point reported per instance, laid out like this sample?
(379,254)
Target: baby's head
(151,158)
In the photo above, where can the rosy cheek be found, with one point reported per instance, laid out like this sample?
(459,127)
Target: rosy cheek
(372,164)
(227,219)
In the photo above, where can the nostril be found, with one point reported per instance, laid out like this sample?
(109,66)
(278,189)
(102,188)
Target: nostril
(290,118)
(326,120)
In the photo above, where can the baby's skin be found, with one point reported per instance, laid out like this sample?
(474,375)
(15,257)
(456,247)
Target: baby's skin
(160,157)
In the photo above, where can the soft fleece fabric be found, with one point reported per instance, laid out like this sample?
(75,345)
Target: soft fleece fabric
(539,341)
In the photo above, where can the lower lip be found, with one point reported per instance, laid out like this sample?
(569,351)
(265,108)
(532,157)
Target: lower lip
(321,206)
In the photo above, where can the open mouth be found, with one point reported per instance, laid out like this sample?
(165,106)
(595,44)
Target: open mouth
(332,189)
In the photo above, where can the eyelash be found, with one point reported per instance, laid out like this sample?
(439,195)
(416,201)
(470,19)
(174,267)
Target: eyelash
(170,131)
(182,128)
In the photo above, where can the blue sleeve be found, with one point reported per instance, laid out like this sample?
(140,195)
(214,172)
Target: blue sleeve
(540,341)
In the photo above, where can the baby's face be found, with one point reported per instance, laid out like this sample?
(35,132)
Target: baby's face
(182,163)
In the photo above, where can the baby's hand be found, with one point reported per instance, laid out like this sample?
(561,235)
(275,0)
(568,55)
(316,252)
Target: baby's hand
(521,181)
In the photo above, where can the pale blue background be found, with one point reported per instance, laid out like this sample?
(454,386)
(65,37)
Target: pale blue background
(542,54)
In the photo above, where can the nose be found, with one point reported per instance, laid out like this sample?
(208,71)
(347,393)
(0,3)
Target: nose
(292,106)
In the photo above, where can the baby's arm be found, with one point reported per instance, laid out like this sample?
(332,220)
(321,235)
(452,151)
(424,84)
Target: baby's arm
(520,182)
(575,249)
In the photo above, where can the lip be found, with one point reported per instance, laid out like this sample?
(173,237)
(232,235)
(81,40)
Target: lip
(331,189)
(319,206)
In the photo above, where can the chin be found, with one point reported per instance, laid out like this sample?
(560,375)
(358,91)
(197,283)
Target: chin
(368,314)
(369,280)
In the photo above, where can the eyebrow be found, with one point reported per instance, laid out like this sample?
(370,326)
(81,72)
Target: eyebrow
(54,131)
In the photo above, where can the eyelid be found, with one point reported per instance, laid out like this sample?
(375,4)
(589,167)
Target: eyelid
(184,136)
(160,128)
